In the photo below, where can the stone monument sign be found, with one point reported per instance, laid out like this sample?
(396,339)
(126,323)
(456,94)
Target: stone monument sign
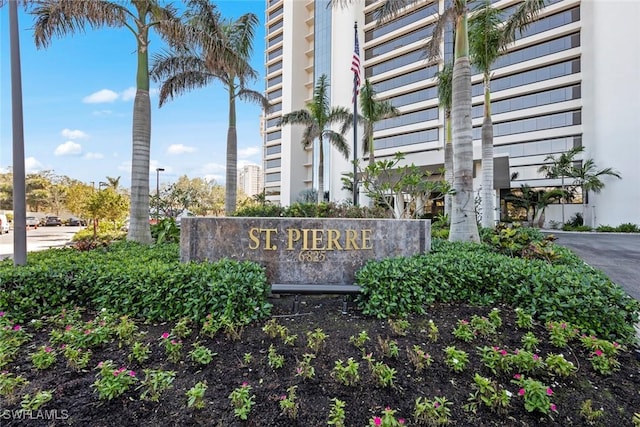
(303,250)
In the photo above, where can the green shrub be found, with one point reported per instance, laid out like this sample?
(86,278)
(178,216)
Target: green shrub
(464,272)
(606,228)
(135,280)
(628,228)
(569,227)
(165,231)
(312,210)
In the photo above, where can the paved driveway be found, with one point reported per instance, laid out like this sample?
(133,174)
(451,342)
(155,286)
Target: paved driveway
(616,254)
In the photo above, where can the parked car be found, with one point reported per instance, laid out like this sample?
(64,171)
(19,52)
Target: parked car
(32,222)
(4,224)
(52,221)
(77,222)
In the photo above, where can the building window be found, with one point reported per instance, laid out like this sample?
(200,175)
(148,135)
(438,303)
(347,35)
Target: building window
(271,191)
(406,139)
(272,177)
(273,122)
(418,35)
(274,135)
(275,94)
(274,41)
(275,108)
(532,124)
(273,149)
(275,27)
(398,23)
(400,61)
(274,81)
(539,147)
(531,76)
(414,97)
(274,67)
(274,54)
(407,119)
(274,13)
(421,74)
(529,101)
(273,163)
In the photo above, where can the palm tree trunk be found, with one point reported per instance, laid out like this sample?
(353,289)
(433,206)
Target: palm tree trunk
(463,220)
(320,171)
(488,205)
(139,230)
(372,160)
(232,156)
(448,165)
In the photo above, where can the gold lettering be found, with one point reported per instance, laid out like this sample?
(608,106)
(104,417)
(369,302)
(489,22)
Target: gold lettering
(267,245)
(333,239)
(318,238)
(305,239)
(255,239)
(366,239)
(294,236)
(352,242)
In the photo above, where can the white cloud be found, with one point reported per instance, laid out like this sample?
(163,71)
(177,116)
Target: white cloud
(74,134)
(180,149)
(69,148)
(32,165)
(93,156)
(219,179)
(128,94)
(243,153)
(104,95)
(213,168)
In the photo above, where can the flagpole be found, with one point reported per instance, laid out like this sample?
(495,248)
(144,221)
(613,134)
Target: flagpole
(355,131)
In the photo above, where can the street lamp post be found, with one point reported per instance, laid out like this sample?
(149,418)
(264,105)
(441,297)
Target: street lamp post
(158,170)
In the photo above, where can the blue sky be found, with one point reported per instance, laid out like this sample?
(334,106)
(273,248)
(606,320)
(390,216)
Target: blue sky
(78,101)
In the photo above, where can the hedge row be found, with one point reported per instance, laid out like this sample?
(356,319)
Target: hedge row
(141,281)
(469,273)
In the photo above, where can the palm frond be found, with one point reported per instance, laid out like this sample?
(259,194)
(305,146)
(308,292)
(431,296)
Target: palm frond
(338,141)
(299,117)
(57,18)
(524,15)
(446,19)
(165,64)
(485,36)
(181,83)
(444,79)
(254,97)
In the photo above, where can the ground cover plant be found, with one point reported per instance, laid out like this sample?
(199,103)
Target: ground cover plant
(513,332)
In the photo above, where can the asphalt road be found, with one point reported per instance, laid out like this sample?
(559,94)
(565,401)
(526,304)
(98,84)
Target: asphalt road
(38,239)
(616,254)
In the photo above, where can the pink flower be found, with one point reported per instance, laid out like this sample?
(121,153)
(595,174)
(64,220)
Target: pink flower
(283,397)
(598,352)
(517,376)
(100,364)
(244,384)
(1,313)
(400,420)
(436,405)
(503,352)
(536,357)
(116,373)
(615,345)
(165,335)
(563,325)
(132,374)
(377,421)
(47,349)
(68,328)
(63,346)
(553,407)
(87,331)
(17,328)
(549,391)
(387,409)
(521,392)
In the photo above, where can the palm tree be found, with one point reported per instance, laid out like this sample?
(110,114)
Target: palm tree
(317,118)
(561,167)
(443,78)
(373,111)
(587,177)
(489,39)
(484,33)
(114,182)
(220,52)
(61,17)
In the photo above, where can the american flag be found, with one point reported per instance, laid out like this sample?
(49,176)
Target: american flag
(355,66)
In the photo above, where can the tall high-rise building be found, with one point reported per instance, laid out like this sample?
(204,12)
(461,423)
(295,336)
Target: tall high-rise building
(250,179)
(570,79)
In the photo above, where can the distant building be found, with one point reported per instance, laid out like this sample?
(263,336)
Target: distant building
(250,179)
(560,85)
